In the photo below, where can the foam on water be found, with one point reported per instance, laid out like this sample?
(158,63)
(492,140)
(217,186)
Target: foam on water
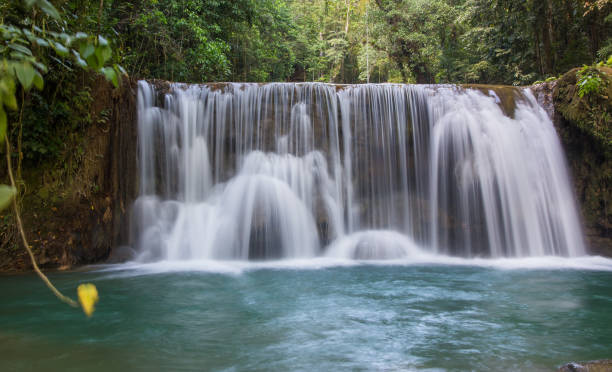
(375,245)
(235,267)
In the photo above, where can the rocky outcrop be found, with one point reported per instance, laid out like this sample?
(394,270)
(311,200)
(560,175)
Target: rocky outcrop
(584,125)
(78,219)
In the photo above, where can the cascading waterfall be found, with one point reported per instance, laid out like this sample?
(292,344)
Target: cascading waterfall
(249,171)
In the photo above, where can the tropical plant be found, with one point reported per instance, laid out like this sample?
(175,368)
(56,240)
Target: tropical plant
(589,81)
(21,43)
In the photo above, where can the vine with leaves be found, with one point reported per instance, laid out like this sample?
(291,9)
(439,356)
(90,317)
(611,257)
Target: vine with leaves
(22,69)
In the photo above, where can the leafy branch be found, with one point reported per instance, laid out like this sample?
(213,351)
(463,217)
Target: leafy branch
(21,68)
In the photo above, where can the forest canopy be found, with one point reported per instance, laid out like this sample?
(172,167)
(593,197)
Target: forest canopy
(344,41)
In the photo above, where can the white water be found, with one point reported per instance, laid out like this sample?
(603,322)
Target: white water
(296,171)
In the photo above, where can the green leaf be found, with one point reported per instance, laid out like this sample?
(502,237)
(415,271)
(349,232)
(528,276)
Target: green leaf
(25,74)
(103,54)
(7,88)
(111,75)
(102,41)
(49,9)
(87,50)
(10,101)
(92,62)
(65,38)
(61,50)
(20,48)
(39,83)
(40,66)
(79,61)
(7,193)
(80,36)
(42,42)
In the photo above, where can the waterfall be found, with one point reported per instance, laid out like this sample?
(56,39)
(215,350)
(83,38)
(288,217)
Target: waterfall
(376,171)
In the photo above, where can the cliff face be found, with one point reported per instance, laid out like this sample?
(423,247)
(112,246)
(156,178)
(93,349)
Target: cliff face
(584,126)
(78,219)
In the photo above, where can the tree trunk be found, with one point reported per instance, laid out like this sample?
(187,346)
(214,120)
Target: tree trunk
(348,11)
(543,22)
(550,62)
(538,52)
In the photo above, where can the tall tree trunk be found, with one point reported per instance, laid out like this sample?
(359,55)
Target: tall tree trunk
(595,31)
(549,38)
(348,11)
(542,22)
(538,52)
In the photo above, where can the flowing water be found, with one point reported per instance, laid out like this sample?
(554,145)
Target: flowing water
(249,171)
(319,227)
(471,315)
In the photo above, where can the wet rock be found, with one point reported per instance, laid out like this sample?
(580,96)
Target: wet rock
(121,254)
(592,366)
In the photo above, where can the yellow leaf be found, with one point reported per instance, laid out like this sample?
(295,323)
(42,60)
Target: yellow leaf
(88,296)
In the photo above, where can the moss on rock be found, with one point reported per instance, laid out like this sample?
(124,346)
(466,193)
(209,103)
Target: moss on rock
(584,125)
(591,113)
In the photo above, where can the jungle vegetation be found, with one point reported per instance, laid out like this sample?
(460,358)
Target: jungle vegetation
(342,41)
(350,41)
(515,42)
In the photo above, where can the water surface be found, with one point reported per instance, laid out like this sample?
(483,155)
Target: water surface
(296,316)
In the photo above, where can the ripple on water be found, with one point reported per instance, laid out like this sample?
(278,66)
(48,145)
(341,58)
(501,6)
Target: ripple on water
(327,316)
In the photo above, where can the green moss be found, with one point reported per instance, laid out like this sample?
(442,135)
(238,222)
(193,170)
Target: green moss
(591,113)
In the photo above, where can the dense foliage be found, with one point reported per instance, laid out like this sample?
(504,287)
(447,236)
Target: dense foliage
(40,48)
(485,41)
(32,37)
(479,41)
(196,41)
(341,41)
